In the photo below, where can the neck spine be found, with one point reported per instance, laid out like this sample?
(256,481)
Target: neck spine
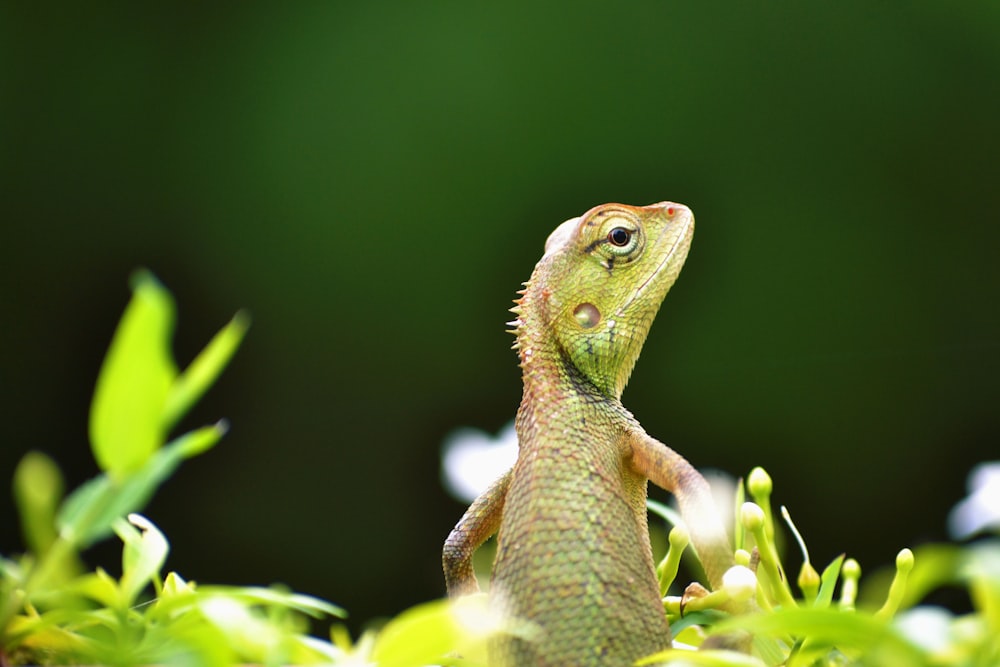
(546,371)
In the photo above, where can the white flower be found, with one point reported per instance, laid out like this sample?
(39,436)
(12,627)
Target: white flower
(472,459)
(981,510)
(927,627)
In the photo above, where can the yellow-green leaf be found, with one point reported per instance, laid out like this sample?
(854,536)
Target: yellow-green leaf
(98,586)
(144,553)
(202,372)
(38,488)
(126,415)
(849,632)
(425,634)
(708,658)
(829,581)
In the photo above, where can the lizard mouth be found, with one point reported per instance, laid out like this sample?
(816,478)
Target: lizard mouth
(679,237)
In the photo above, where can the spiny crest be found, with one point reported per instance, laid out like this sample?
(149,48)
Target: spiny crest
(516,323)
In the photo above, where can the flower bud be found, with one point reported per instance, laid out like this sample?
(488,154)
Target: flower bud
(809,581)
(897,590)
(851,572)
(760,485)
(752,516)
(740,582)
(904,561)
(666,571)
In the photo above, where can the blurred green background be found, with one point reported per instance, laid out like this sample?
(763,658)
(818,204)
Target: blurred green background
(373,180)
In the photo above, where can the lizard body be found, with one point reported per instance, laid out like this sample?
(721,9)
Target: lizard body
(573,554)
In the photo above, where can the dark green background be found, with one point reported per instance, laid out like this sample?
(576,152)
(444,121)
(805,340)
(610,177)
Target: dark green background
(372,180)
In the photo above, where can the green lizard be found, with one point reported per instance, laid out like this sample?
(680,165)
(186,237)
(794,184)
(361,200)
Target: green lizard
(573,553)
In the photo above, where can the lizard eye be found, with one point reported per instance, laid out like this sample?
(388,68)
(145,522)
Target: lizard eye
(619,236)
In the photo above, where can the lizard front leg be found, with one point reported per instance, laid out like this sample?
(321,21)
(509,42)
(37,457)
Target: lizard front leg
(671,471)
(480,522)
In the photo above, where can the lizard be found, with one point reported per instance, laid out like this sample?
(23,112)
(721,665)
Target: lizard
(573,553)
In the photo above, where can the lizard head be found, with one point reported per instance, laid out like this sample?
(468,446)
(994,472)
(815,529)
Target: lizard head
(600,283)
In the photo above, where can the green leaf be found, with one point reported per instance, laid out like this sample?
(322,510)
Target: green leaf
(828,582)
(256,636)
(46,635)
(98,586)
(88,513)
(203,371)
(425,634)
(254,595)
(857,633)
(769,649)
(247,633)
(38,488)
(126,415)
(709,658)
(706,617)
(144,554)
(174,585)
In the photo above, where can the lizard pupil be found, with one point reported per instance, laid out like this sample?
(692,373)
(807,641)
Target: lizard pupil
(619,236)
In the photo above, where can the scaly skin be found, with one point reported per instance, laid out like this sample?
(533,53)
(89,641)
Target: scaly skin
(573,555)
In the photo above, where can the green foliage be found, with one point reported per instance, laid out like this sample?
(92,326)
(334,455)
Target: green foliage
(53,612)
(814,628)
